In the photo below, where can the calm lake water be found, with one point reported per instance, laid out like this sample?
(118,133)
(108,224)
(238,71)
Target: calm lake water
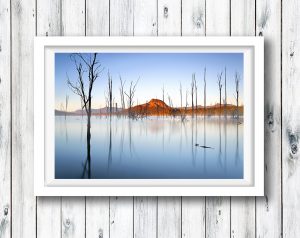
(156,147)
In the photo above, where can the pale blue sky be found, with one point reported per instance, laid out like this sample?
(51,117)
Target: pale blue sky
(154,70)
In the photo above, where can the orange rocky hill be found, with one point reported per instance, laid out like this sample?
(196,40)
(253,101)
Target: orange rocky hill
(158,107)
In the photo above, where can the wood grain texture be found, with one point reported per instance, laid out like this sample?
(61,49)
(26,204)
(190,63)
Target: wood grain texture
(5,120)
(290,117)
(23,200)
(97,217)
(121,17)
(193,208)
(169,217)
(169,17)
(97,18)
(193,217)
(218,208)
(193,17)
(121,217)
(145,17)
(268,208)
(48,23)
(73,209)
(73,217)
(242,208)
(145,217)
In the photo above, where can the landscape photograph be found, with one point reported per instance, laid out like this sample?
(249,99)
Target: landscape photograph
(149,115)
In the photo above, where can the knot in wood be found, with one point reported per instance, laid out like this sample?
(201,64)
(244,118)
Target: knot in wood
(198,22)
(166,10)
(294,148)
(270,120)
(5,210)
(67,222)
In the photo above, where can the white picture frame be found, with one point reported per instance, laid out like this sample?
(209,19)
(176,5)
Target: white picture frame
(251,185)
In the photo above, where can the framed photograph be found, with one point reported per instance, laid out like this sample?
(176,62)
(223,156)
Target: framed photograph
(149,116)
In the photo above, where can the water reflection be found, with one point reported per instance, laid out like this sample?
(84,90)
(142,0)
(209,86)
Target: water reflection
(156,147)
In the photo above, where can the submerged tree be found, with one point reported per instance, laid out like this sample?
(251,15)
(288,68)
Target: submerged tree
(193,90)
(130,96)
(237,79)
(122,95)
(204,89)
(180,91)
(110,97)
(220,89)
(92,66)
(225,102)
(67,102)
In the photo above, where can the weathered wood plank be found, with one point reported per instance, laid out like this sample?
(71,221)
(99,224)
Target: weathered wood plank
(23,200)
(169,217)
(73,209)
(121,17)
(97,217)
(193,208)
(145,17)
(97,208)
(48,217)
(169,208)
(145,217)
(218,18)
(193,217)
(48,209)
(5,120)
(242,208)
(121,217)
(97,18)
(218,208)
(145,208)
(193,17)
(290,117)
(73,217)
(121,208)
(268,208)
(169,17)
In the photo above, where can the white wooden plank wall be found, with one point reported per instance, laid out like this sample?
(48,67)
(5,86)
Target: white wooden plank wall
(274,215)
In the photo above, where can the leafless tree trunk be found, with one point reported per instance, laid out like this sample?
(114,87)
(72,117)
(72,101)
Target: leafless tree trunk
(67,102)
(110,99)
(122,93)
(220,89)
(192,91)
(186,100)
(163,98)
(237,79)
(180,90)
(130,96)
(204,93)
(94,69)
(196,92)
(225,106)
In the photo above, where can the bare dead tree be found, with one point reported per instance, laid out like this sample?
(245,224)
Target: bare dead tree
(196,92)
(110,98)
(67,102)
(237,79)
(193,90)
(225,103)
(219,76)
(163,98)
(122,95)
(186,100)
(180,91)
(92,66)
(130,95)
(204,89)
